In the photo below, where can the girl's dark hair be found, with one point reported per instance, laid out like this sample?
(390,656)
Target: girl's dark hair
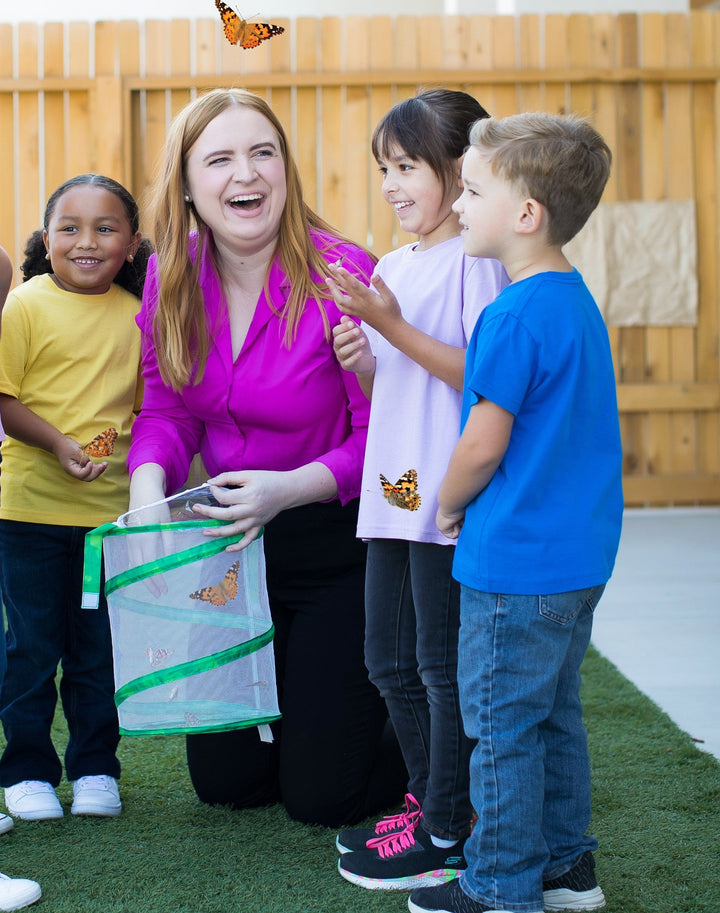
(132,275)
(433,126)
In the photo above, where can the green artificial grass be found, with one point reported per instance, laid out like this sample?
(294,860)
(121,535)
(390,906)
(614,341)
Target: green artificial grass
(656,814)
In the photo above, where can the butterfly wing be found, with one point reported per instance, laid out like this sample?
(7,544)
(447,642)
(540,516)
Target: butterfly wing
(255,32)
(233,25)
(102,445)
(403,493)
(224,592)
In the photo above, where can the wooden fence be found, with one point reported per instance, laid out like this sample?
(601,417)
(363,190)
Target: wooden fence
(78,97)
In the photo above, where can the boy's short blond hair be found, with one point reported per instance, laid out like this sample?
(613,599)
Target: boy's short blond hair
(559,160)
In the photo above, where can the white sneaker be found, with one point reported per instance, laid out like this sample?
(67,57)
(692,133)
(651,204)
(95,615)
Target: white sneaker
(32,800)
(16,893)
(96,795)
(6,823)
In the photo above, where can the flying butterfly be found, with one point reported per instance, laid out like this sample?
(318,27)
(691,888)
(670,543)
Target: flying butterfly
(224,592)
(404,492)
(102,445)
(240,31)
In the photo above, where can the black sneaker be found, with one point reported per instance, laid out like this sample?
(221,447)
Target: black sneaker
(357,838)
(447,898)
(402,861)
(577,889)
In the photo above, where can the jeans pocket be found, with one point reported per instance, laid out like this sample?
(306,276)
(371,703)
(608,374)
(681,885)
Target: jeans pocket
(563,608)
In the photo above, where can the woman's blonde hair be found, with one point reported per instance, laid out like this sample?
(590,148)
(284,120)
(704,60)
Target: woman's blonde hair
(180,329)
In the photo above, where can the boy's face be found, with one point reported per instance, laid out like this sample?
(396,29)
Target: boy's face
(488,207)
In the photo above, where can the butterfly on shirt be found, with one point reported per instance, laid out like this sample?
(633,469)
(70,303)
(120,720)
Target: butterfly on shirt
(223,592)
(404,492)
(102,445)
(240,31)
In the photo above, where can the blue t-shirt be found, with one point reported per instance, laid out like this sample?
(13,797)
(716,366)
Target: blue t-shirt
(549,520)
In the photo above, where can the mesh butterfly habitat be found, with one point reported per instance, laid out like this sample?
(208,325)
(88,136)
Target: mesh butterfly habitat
(190,622)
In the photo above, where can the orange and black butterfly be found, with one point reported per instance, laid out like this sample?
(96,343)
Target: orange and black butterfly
(404,492)
(223,592)
(102,445)
(240,31)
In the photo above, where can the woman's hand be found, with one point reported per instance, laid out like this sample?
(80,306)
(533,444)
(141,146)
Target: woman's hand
(74,462)
(147,485)
(250,499)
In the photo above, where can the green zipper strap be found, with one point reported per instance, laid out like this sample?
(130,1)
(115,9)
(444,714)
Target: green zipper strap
(192,667)
(169,562)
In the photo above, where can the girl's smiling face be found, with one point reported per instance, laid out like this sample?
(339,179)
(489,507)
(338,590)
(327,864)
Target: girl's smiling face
(88,238)
(235,177)
(421,202)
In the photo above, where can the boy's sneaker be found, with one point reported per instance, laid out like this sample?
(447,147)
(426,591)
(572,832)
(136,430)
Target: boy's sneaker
(356,838)
(447,898)
(16,893)
(33,800)
(402,861)
(577,889)
(6,823)
(96,795)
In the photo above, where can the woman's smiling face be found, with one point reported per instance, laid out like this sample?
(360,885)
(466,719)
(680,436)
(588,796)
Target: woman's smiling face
(235,175)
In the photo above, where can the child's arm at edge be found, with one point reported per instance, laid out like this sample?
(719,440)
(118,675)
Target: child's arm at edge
(473,463)
(26,426)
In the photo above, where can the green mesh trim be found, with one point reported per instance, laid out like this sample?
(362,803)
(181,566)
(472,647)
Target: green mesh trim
(192,667)
(215,727)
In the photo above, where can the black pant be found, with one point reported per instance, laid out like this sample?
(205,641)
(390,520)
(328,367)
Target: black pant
(335,759)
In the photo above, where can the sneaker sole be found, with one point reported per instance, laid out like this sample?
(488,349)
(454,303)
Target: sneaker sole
(564,899)
(6,824)
(36,815)
(95,811)
(408,883)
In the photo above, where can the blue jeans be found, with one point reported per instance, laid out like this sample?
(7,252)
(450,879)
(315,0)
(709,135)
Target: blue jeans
(412,607)
(519,674)
(41,567)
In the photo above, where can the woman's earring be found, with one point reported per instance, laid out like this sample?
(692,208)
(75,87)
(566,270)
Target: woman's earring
(130,258)
(47,255)
(188,198)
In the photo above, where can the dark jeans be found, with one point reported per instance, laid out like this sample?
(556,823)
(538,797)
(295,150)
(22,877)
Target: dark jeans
(411,648)
(334,760)
(41,570)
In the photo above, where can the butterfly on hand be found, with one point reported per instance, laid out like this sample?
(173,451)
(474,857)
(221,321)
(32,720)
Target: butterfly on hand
(404,492)
(102,445)
(246,34)
(224,592)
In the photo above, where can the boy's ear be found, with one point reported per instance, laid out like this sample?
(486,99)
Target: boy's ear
(531,217)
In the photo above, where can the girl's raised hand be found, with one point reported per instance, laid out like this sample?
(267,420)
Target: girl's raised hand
(352,347)
(379,308)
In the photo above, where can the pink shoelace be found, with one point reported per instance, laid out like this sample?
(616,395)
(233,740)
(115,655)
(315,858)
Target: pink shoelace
(412,813)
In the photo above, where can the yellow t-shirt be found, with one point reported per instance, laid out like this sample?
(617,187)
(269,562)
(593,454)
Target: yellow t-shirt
(75,361)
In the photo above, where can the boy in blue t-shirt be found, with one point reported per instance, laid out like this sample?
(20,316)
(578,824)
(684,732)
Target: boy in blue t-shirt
(534,492)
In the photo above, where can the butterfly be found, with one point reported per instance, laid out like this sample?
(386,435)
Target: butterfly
(102,445)
(224,592)
(240,31)
(404,492)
